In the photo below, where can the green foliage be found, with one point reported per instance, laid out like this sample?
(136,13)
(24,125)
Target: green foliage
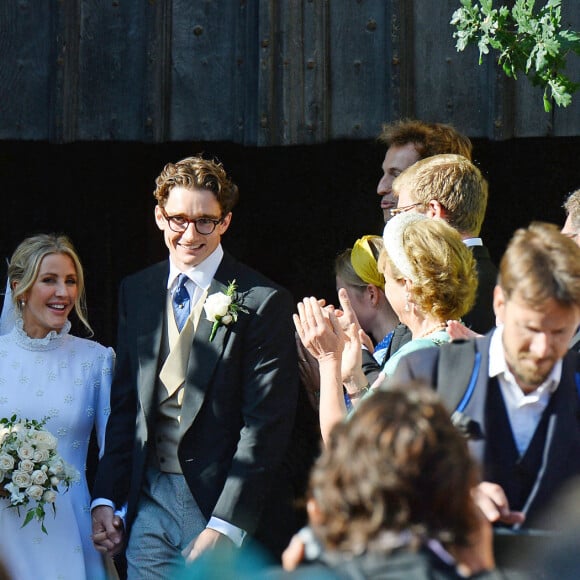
(527,40)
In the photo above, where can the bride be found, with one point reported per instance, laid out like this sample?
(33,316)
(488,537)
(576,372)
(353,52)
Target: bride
(46,372)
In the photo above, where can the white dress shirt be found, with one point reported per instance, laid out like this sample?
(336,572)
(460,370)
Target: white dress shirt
(524,411)
(470,242)
(199,277)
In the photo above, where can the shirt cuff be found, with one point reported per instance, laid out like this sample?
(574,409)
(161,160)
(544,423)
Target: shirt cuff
(235,534)
(122,512)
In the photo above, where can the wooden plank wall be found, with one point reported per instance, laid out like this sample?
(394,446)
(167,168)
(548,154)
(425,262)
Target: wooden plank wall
(254,72)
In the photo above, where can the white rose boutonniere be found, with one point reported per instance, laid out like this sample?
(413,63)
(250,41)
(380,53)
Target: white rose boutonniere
(222,308)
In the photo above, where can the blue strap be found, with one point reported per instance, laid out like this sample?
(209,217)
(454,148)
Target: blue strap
(471,386)
(577,377)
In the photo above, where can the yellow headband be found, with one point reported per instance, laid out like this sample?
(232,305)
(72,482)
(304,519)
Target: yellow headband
(365,264)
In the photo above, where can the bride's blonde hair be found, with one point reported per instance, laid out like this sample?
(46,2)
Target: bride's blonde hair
(25,265)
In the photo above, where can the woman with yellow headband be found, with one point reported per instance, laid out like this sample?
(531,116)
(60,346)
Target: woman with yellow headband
(357,272)
(430,278)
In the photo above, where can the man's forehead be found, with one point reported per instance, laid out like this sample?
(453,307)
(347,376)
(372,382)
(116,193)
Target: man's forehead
(401,156)
(529,307)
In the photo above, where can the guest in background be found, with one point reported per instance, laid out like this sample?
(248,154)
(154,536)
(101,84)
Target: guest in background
(390,497)
(451,188)
(429,278)
(571,230)
(516,387)
(408,141)
(571,227)
(358,273)
(46,372)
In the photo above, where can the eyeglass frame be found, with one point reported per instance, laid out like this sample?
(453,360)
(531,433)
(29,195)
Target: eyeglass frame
(188,222)
(570,235)
(405,208)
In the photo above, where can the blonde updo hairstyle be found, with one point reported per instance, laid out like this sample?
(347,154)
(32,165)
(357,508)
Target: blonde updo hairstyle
(25,265)
(440,266)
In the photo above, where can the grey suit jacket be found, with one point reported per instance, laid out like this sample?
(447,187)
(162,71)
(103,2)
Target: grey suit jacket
(239,401)
(562,447)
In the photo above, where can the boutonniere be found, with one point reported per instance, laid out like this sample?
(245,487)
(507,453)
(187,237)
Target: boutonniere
(222,308)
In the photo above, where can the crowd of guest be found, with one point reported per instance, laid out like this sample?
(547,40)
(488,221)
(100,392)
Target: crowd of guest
(222,395)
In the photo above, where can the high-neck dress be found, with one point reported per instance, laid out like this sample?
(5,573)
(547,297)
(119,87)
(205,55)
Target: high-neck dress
(67,379)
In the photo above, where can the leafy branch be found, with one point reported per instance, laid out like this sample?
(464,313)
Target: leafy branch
(527,40)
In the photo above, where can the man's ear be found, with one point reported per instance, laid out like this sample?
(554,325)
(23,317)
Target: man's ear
(159,219)
(435,210)
(499,301)
(225,224)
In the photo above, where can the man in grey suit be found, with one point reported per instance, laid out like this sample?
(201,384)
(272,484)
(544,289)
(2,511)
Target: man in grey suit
(203,399)
(519,399)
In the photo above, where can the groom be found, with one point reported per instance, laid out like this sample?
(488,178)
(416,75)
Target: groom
(201,410)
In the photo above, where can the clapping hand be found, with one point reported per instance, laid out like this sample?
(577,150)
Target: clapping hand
(319,329)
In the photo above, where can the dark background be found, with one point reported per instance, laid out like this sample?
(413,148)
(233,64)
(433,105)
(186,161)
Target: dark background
(299,206)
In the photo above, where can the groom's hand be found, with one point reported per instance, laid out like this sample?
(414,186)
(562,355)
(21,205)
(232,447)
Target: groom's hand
(207,540)
(108,531)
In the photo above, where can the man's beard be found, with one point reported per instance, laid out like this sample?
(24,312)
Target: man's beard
(529,372)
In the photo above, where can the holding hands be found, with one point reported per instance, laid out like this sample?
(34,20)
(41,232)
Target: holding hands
(108,530)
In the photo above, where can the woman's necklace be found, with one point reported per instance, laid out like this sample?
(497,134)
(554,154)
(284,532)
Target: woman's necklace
(432,329)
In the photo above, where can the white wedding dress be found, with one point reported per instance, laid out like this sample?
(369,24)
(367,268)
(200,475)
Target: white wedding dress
(68,379)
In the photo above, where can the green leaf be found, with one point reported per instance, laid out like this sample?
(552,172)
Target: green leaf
(29,516)
(529,38)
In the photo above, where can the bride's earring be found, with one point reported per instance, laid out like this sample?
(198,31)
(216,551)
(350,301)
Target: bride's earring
(407,307)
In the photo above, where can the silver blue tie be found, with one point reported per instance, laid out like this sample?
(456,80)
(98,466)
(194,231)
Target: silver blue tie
(181,302)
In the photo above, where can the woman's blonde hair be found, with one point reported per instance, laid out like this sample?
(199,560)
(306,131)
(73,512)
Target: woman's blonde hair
(444,281)
(25,265)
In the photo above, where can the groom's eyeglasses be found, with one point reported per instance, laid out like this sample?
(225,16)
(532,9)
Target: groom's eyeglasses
(178,223)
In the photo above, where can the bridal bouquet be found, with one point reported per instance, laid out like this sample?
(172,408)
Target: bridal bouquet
(30,467)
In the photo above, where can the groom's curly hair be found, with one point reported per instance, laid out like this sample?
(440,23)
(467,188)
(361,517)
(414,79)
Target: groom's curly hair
(197,173)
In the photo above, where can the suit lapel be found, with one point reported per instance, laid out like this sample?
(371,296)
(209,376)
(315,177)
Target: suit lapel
(205,355)
(150,331)
(476,407)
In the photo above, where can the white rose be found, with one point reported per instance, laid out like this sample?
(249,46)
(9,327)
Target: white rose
(216,305)
(25,451)
(26,465)
(2,475)
(21,478)
(49,496)
(54,480)
(39,477)
(57,466)
(35,492)
(45,440)
(6,462)
(41,455)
